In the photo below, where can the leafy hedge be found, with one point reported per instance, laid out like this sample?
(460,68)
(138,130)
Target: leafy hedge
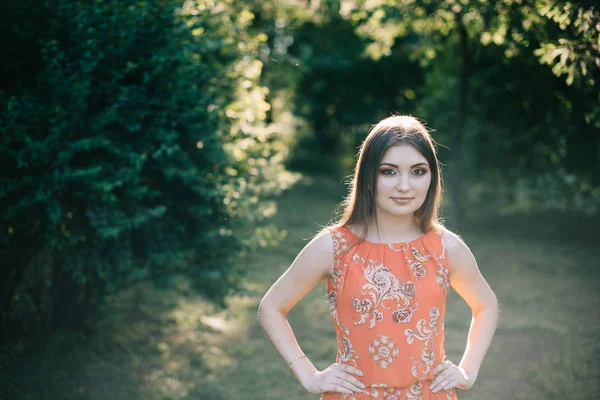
(133,147)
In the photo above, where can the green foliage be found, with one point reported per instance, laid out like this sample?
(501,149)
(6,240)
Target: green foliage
(516,82)
(134,149)
(575,53)
(341,91)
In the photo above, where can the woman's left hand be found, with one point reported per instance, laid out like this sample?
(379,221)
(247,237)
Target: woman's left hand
(448,376)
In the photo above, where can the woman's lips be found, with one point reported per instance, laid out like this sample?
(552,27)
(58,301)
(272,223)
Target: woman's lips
(402,200)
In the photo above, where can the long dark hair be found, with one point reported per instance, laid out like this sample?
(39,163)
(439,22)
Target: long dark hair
(359,205)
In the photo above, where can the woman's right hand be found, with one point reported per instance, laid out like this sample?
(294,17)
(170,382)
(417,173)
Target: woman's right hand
(336,378)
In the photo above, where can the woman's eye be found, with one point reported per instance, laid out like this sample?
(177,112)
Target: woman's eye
(387,171)
(419,171)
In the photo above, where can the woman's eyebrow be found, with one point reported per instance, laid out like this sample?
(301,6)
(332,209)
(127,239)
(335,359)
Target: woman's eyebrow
(412,166)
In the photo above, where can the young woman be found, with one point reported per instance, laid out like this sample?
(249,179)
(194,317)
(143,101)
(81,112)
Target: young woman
(389,265)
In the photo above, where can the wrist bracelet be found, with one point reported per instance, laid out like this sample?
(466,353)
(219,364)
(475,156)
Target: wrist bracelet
(291,362)
(297,358)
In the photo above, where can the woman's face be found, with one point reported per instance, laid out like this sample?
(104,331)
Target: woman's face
(403,180)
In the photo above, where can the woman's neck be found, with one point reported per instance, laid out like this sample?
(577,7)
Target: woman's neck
(384,228)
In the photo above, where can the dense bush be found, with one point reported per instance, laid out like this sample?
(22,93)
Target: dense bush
(133,147)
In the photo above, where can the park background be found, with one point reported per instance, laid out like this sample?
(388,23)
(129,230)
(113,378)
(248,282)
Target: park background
(163,162)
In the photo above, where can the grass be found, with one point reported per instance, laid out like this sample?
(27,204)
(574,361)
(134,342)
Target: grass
(174,345)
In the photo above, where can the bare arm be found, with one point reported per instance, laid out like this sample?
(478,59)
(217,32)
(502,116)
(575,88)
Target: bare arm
(311,266)
(473,288)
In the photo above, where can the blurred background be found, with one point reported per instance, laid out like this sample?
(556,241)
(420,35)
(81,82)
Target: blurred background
(163,162)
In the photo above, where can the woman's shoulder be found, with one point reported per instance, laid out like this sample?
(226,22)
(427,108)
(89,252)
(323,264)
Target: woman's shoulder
(335,232)
(324,236)
(322,242)
(337,238)
(317,254)
(454,245)
(450,240)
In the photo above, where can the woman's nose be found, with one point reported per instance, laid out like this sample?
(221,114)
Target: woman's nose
(403,183)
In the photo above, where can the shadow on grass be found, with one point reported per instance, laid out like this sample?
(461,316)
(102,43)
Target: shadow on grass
(153,344)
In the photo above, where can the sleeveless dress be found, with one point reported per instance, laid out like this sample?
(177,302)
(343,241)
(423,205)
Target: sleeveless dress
(387,302)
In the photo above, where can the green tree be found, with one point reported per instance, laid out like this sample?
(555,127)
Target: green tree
(486,75)
(134,147)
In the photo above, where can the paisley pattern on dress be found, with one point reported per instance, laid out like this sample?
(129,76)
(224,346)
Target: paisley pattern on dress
(402,246)
(415,392)
(332,298)
(388,303)
(424,329)
(383,392)
(347,354)
(415,263)
(385,290)
(392,393)
(442,277)
(425,332)
(340,247)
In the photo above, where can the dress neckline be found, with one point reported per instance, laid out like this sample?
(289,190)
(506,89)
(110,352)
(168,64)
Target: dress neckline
(390,244)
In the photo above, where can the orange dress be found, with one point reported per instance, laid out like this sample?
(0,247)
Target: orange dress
(388,303)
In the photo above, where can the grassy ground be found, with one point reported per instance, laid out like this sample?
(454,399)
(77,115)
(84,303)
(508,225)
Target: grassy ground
(174,345)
